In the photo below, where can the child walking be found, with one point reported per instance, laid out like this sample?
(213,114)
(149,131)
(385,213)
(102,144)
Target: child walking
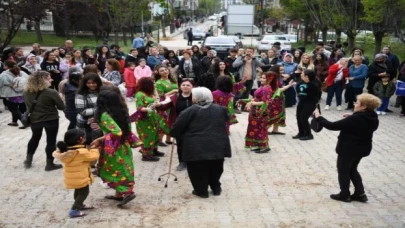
(130,81)
(384,89)
(76,159)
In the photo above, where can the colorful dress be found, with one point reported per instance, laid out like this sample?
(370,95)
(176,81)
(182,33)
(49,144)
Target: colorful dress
(115,166)
(147,124)
(277,109)
(226,100)
(256,135)
(163,87)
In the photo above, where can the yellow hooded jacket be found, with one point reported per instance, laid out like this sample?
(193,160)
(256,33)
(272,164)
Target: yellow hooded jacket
(76,165)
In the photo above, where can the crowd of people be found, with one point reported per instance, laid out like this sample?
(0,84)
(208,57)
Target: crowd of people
(189,97)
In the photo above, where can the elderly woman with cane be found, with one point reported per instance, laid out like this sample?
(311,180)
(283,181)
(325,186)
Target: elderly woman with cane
(354,143)
(202,128)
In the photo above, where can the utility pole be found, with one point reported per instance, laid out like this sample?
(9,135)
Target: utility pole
(262,15)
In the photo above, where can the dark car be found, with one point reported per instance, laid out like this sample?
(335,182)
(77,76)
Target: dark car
(236,39)
(221,44)
(197,33)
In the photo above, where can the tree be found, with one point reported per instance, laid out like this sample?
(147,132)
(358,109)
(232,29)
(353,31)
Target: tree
(345,15)
(382,15)
(13,20)
(296,9)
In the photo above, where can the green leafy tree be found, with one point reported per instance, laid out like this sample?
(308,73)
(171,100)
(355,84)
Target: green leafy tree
(382,15)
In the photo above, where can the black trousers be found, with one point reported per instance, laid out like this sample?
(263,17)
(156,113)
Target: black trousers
(51,129)
(179,143)
(347,171)
(16,110)
(353,97)
(80,195)
(205,173)
(304,111)
(398,100)
(402,104)
(72,121)
(190,42)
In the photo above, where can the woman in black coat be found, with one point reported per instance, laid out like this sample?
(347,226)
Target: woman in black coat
(378,69)
(354,143)
(189,67)
(202,128)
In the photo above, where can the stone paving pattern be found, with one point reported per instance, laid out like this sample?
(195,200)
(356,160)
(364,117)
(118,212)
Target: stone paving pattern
(288,187)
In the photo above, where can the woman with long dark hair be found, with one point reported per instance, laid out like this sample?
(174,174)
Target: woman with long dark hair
(308,93)
(51,66)
(178,103)
(256,136)
(85,102)
(115,166)
(321,67)
(277,114)
(146,119)
(166,86)
(45,115)
(103,53)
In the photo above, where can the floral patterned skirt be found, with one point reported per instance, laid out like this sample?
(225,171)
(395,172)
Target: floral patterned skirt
(256,135)
(117,170)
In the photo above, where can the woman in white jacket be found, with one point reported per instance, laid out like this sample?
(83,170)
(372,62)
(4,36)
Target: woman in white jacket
(12,83)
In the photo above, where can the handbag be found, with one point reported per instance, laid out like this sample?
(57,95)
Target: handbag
(400,90)
(315,125)
(25,117)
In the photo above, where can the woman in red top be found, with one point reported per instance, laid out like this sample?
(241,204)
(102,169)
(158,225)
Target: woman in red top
(335,81)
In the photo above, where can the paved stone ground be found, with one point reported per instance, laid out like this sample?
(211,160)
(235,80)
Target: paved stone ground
(288,187)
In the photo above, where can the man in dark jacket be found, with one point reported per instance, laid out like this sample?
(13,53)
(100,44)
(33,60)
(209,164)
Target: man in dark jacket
(190,37)
(229,61)
(354,143)
(202,128)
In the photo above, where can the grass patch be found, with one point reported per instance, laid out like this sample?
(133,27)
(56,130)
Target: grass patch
(28,38)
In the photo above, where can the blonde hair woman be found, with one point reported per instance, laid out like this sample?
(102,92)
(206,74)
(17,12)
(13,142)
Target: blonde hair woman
(354,143)
(306,62)
(43,104)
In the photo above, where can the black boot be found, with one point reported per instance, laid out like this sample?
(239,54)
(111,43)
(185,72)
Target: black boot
(157,153)
(28,161)
(51,166)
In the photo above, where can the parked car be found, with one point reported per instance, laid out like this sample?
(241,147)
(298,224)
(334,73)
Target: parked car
(197,33)
(292,38)
(236,39)
(221,44)
(212,18)
(268,40)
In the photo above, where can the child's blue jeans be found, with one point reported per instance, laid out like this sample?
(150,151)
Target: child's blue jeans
(384,104)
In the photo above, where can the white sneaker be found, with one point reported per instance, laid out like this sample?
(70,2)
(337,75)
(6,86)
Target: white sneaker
(339,108)
(104,185)
(378,112)
(129,99)
(383,113)
(327,107)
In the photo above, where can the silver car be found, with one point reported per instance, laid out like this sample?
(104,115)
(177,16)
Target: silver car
(197,33)
(267,42)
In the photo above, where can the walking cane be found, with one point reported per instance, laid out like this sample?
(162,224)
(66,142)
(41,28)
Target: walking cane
(168,174)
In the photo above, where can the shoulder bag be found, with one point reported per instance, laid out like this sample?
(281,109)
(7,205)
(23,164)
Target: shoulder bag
(25,117)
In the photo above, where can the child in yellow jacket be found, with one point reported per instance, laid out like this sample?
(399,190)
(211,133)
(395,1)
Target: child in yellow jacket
(76,159)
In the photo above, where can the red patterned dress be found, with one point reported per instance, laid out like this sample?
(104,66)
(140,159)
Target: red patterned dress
(256,135)
(226,100)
